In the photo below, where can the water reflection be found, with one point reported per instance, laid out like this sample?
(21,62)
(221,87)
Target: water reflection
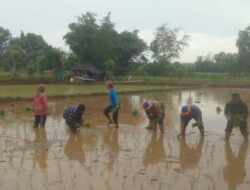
(111,142)
(234,172)
(155,151)
(41,147)
(190,155)
(73,149)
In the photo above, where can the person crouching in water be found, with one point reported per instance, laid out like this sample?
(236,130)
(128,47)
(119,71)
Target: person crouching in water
(40,107)
(155,112)
(191,112)
(236,112)
(114,104)
(73,116)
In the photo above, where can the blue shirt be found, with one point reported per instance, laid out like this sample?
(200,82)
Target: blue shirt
(113,97)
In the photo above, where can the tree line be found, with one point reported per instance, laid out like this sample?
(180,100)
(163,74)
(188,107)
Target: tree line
(97,41)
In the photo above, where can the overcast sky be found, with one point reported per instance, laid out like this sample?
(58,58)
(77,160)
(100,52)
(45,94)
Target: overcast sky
(212,24)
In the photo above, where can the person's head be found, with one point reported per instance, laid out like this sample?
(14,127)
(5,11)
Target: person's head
(235,97)
(185,110)
(40,88)
(147,105)
(109,84)
(81,108)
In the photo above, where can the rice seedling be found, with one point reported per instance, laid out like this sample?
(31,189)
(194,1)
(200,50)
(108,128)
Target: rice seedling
(28,109)
(135,113)
(2,113)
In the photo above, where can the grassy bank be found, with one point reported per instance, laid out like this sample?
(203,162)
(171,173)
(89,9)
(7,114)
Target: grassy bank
(210,79)
(18,92)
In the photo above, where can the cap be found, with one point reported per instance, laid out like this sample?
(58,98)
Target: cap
(110,83)
(147,105)
(185,110)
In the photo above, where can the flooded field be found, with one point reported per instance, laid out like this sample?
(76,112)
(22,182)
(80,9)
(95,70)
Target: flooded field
(131,157)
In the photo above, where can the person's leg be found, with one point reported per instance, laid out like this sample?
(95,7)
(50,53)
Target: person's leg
(106,112)
(71,126)
(228,129)
(243,129)
(161,124)
(115,117)
(36,121)
(184,123)
(43,119)
(201,126)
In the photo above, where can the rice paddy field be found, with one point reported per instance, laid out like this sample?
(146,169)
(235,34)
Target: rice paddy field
(99,157)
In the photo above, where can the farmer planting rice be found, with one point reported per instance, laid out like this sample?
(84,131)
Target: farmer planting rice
(114,104)
(155,112)
(236,112)
(73,116)
(189,112)
(40,106)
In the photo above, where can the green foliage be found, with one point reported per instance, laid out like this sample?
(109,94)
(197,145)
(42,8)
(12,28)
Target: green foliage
(93,42)
(5,38)
(243,44)
(167,43)
(221,62)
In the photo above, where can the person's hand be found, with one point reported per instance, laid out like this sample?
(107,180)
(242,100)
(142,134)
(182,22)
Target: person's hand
(77,125)
(228,117)
(81,121)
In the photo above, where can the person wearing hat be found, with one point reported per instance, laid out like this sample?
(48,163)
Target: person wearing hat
(40,106)
(236,112)
(73,116)
(155,112)
(114,104)
(189,112)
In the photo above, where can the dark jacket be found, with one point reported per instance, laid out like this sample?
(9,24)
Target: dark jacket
(72,115)
(239,108)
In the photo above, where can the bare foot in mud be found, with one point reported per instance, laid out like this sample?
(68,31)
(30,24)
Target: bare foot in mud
(109,123)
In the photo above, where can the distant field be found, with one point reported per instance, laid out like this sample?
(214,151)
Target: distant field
(196,78)
(28,91)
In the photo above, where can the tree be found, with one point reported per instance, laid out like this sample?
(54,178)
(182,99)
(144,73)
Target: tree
(131,48)
(14,58)
(82,37)
(95,42)
(243,44)
(5,37)
(168,43)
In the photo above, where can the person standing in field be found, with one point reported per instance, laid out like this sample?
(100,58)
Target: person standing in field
(73,116)
(40,106)
(236,112)
(114,105)
(189,112)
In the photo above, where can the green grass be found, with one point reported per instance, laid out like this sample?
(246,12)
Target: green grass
(196,78)
(28,91)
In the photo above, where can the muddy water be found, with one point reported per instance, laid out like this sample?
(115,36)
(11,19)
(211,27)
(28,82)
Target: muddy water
(128,158)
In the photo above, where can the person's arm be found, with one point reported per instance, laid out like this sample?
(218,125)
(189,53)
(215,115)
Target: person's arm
(227,112)
(245,111)
(115,98)
(45,104)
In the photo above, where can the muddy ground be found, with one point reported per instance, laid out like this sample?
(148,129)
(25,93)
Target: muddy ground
(131,157)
